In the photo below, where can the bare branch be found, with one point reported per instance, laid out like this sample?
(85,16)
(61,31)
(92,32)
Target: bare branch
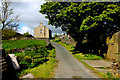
(5,18)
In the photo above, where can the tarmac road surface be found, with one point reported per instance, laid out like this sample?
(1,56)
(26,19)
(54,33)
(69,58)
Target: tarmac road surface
(68,66)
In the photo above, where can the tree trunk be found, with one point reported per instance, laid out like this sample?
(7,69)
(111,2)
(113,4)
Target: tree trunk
(3,25)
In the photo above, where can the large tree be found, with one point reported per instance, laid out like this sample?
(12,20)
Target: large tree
(8,34)
(7,17)
(96,20)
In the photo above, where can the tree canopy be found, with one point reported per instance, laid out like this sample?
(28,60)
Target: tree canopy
(8,33)
(55,35)
(27,34)
(97,20)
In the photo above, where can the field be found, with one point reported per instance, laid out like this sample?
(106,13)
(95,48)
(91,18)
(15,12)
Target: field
(13,44)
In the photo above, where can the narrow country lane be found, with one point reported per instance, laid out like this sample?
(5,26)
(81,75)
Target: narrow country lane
(68,66)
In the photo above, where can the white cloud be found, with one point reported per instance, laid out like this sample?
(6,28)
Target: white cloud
(25,29)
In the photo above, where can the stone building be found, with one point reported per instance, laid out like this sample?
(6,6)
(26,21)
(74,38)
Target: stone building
(113,52)
(42,32)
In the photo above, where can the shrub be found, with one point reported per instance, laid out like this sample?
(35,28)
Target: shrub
(8,33)
(19,54)
(55,35)
(57,40)
(24,64)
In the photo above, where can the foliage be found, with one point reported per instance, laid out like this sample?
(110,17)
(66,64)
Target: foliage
(20,56)
(97,20)
(32,58)
(13,44)
(63,33)
(109,75)
(82,15)
(26,34)
(8,33)
(44,70)
(57,40)
(87,56)
(55,35)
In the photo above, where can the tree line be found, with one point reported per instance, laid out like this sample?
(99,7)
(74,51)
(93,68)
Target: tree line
(94,21)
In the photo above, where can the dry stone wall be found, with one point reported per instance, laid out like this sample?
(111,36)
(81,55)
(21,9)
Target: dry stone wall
(119,46)
(114,47)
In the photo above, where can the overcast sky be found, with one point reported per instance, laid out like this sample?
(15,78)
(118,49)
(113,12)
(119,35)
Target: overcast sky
(31,17)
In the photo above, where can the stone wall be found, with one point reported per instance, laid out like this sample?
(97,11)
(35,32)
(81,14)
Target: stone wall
(22,38)
(114,47)
(119,46)
(68,39)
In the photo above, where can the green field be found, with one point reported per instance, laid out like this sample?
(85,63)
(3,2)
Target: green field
(13,44)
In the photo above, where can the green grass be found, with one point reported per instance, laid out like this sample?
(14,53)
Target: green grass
(67,46)
(87,56)
(12,44)
(57,40)
(45,70)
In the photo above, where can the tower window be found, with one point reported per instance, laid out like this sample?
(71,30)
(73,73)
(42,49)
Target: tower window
(41,31)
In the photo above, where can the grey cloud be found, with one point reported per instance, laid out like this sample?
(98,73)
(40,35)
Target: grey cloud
(29,15)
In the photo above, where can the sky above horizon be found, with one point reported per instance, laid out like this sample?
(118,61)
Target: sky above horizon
(30,17)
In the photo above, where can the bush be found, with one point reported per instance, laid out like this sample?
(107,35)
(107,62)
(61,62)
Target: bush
(8,33)
(32,58)
(27,34)
(55,35)
(57,40)
(19,54)
(24,64)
